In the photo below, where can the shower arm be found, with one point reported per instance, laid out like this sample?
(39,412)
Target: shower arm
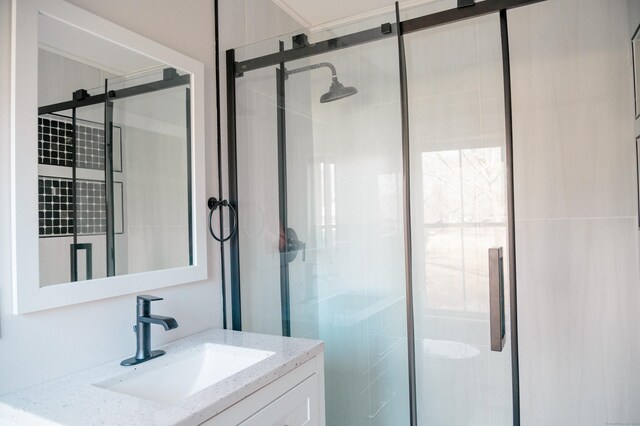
(312,67)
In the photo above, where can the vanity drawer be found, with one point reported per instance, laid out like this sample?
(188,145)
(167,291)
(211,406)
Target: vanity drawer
(297,407)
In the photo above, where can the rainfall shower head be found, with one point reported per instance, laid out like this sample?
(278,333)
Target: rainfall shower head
(336,91)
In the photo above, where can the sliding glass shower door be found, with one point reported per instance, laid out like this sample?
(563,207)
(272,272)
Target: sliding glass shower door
(320,140)
(459,213)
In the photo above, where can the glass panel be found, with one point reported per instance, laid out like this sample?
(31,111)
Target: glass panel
(258,235)
(344,259)
(458,212)
(150,142)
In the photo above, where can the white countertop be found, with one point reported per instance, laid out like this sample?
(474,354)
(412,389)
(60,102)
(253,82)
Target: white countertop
(75,400)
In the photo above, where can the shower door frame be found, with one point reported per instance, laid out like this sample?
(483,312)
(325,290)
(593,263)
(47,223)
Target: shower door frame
(397,29)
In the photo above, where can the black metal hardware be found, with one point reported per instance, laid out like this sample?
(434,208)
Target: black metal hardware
(74,197)
(87,247)
(232,161)
(406,209)
(329,65)
(299,40)
(485,7)
(292,245)
(496,299)
(310,50)
(386,28)
(511,227)
(144,319)
(219,158)
(169,74)
(283,217)
(108,186)
(121,93)
(80,94)
(466,3)
(366,36)
(189,181)
(213,204)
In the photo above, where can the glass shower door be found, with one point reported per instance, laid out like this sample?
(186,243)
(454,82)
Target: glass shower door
(344,188)
(321,232)
(459,212)
(321,226)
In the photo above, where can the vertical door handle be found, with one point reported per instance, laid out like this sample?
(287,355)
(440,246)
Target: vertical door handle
(496,299)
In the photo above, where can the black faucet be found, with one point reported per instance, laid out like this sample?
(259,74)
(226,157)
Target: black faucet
(144,319)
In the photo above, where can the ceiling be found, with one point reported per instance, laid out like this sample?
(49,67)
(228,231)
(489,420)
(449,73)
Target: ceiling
(312,13)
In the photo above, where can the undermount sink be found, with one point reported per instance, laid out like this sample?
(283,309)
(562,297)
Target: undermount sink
(180,378)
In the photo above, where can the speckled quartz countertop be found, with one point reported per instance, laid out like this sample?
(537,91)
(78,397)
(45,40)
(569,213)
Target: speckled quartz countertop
(75,400)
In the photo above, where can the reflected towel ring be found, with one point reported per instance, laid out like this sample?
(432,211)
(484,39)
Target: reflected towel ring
(213,204)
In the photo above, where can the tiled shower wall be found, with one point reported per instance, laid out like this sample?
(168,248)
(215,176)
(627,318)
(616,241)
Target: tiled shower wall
(576,213)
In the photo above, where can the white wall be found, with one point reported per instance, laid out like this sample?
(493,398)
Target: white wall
(576,213)
(41,346)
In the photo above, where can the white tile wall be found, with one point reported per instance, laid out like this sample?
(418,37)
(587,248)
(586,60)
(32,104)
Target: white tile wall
(576,211)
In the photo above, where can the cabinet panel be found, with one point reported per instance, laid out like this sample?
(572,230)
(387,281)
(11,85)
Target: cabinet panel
(297,407)
(298,398)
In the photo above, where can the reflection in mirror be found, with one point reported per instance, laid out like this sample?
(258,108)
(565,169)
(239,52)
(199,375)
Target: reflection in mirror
(113,159)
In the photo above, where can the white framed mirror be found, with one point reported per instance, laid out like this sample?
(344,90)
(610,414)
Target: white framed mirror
(107,160)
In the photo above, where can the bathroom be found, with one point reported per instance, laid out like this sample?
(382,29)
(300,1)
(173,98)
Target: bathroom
(395,171)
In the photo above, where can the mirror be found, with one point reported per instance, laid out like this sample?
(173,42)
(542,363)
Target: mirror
(107,151)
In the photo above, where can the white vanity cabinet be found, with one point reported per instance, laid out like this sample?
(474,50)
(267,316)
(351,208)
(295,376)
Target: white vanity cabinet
(295,399)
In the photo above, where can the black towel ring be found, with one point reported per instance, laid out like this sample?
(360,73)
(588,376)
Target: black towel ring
(213,204)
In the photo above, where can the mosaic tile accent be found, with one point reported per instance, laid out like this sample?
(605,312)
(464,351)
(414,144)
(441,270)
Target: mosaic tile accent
(55,196)
(55,145)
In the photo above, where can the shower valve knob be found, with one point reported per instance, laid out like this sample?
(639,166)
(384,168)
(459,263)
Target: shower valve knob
(293,246)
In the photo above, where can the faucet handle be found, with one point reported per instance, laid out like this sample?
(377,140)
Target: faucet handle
(142,298)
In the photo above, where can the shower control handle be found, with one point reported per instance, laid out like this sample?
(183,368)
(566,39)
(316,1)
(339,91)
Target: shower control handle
(293,246)
(496,299)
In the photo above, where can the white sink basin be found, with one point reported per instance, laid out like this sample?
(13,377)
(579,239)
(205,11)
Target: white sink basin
(200,368)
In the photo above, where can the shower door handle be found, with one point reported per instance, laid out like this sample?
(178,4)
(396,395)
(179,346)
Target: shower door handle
(496,299)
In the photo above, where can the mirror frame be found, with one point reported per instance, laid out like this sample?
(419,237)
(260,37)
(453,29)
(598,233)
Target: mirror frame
(28,296)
